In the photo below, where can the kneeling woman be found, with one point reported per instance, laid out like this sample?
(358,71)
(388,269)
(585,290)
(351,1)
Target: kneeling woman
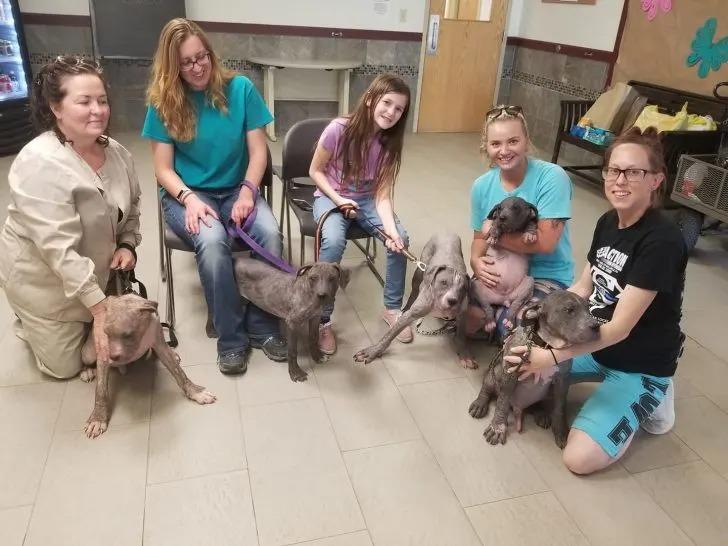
(634,282)
(73,217)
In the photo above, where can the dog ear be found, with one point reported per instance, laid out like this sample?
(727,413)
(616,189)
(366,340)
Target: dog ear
(492,214)
(431,273)
(534,212)
(532,311)
(302,270)
(344,275)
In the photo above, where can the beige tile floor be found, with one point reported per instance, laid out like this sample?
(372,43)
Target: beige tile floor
(356,456)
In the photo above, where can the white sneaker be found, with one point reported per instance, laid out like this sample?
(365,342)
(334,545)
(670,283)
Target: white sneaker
(663,418)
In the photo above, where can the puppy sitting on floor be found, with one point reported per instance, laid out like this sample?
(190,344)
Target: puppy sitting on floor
(133,328)
(515,287)
(297,299)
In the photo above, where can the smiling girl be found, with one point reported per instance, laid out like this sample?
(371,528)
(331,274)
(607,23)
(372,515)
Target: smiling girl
(356,162)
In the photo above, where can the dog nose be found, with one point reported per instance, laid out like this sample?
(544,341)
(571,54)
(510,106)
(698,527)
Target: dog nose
(452,301)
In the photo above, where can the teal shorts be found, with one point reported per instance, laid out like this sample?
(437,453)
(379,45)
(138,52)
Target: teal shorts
(619,404)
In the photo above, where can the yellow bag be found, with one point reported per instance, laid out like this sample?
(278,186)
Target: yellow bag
(701,123)
(651,117)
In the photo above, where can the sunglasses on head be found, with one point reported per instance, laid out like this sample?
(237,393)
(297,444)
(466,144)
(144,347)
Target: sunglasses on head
(510,110)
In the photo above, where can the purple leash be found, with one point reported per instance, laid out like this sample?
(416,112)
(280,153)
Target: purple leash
(242,233)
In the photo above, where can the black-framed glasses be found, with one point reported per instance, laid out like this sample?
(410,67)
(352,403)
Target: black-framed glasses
(611,174)
(510,110)
(201,60)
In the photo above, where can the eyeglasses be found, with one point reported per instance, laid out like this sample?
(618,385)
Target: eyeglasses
(611,174)
(201,60)
(510,110)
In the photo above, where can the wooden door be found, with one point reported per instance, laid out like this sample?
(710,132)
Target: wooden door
(459,81)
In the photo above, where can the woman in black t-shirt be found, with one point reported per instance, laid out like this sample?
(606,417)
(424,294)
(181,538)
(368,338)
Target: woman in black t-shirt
(634,282)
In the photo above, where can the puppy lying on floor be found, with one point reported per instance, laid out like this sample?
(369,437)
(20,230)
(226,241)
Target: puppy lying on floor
(515,287)
(133,327)
(442,290)
(297,299)
(561,319)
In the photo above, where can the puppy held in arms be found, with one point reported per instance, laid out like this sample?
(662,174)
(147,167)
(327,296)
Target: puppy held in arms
(442,291)
(515,287)
(133,328)
(297,299)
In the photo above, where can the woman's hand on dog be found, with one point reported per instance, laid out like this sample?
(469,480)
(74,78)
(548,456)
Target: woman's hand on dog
(196,211)
(483,269)
(101,340)
(538,364)
(243,206)
(123,260)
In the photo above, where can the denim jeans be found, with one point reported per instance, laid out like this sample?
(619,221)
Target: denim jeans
(333,242)
(233,322)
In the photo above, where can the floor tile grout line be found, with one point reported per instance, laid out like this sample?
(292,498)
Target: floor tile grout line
(45,463)
(198,476)
(247,466)
(659,505)
(149,451)
(304,542)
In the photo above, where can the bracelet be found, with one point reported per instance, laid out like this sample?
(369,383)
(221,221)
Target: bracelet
(556,362)
(181,192)
(185,196)
(129,248)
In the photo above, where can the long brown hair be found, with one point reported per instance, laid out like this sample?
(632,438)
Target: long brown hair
(48,90)
(356,139)
(651,142)
(167,92)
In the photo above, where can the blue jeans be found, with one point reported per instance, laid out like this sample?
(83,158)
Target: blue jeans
(233,322)
(333,242)
(541,289)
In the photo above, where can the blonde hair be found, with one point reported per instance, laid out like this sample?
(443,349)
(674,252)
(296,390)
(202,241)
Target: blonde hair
(167,92)
(503,115)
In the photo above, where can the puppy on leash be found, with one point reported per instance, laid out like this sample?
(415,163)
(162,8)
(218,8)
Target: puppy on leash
(441,290)
(133,328)
(297,299)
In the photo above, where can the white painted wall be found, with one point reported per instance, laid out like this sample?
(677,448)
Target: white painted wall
(56,7)
(592,26)
(360,14)
(392,15)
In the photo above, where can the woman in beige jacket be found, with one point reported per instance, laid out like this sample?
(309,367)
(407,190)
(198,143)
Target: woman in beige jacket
(73,217)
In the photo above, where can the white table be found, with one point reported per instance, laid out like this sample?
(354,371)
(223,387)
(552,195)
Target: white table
(299,83)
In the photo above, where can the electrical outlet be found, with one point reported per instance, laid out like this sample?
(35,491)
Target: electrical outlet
(403,15)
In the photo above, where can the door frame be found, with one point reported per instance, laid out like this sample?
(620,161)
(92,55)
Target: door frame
(423,49)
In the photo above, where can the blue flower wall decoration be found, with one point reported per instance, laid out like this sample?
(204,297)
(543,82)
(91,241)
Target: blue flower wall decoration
(710,55)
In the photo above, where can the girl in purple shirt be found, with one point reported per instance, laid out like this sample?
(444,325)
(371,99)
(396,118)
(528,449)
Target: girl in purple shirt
(356,162)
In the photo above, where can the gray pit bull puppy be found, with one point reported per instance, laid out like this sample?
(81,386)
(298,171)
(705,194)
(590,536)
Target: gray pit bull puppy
(442,290)
(297,299)
(562,319)
(515,287)
(133,328)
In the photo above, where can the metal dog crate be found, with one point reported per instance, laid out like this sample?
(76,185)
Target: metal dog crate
(702,186)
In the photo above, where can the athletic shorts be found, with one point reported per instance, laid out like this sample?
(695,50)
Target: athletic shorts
(619,404)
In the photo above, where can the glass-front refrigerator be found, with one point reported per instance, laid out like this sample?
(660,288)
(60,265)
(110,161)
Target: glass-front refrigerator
(15,126)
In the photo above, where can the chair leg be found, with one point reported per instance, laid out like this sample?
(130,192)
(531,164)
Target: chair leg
(284,193)
(171,316)
(369,258)
(288,228)
(303,250)
(557,150)
(162,267)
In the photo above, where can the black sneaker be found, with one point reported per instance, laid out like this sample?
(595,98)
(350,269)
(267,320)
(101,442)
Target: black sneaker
(235,363)
(274,347)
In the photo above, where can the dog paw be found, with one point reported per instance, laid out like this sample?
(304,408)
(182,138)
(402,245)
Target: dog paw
(203,397)
(496,434)
(322,358)
(543,419)
(88,374)
(95,427)
(366,355)
(298,376)
(489,326)
(468,362)
(479,408)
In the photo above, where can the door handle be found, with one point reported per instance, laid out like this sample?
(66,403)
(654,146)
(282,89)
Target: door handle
(433,33)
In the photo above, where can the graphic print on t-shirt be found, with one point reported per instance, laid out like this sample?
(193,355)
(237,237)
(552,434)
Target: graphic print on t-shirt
(607,289)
